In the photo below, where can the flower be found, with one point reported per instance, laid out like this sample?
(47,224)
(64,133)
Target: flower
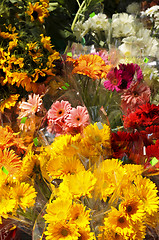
(9,102)
(59,111)
(62,231)
(92,66)
(99,22)
(133,208)
(37,12)
(123,25)
(114,80)
(10,161)
(78,117)
(126,72)
(137,94)
(58,210)
(24,194)
(32,106)
(79,215)
(60,166)
(78,185)
(147,192)
(144,116)
(119,223)
(46,41)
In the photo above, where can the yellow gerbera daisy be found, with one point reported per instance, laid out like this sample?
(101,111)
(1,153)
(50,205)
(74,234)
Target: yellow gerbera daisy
(119,223)
(37,12)
(86,234)
(80,184)
(9,102)
(79,215)
(133,208)
(46,41)
(147,192)
(24,194)
(62,231)
(110,175)
(59,166)
(58,210)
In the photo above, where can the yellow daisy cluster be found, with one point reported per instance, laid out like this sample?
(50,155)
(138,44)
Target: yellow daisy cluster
(16,194)
(70,154)
(119,201)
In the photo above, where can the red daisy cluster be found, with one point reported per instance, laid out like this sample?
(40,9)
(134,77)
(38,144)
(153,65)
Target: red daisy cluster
(63,119)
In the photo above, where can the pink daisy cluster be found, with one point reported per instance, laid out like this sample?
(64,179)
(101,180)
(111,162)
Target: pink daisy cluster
(122,77)
(63,119)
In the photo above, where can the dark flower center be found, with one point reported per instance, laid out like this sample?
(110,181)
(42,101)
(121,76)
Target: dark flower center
(121,219)
(129,209)
(60,112)
(35,14)
(78,118)
(136,94)
(64,232)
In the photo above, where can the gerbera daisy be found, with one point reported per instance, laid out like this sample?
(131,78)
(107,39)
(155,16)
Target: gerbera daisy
(32,106)
(79,215)
(10,161)
(9,139)
(58,210)
(137,94)
(145,115)
(77,117)
(126,72)
(92,66)
(9,102)
(147,192)
(110,177)
(62,231)
(37,12)
(133,208)
(59,166)
(119,223)
(80,184)
(59,111)
(46,41)
(24,194)
(7,205)
(114,80)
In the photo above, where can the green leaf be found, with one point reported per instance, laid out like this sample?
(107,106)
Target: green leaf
(5,170)
(23,119)
(35,140)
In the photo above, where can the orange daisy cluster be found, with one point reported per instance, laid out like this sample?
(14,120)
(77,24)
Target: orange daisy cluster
(92,66)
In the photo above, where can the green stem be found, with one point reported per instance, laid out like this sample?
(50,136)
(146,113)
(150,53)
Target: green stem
(77,14)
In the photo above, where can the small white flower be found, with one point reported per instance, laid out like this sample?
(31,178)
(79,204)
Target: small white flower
(150,11)
(99,22)
(123,25)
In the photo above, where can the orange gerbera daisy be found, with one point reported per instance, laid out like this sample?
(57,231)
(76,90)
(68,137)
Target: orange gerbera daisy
(10,161)
(10,139)
(37,12)
(92,66)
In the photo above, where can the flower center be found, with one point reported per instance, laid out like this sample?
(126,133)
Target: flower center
(60,112)
(78,118)
(135,94)
(114,81)
(35,14)
(129,208)
(64,232)
(121,219)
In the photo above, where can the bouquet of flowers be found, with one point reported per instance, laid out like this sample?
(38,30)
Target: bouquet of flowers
(79,130)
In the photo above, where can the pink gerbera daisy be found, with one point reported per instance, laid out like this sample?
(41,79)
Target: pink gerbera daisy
(114,80)
(126,72)
(33,105)
(78,117)
(136,95)
(59,110)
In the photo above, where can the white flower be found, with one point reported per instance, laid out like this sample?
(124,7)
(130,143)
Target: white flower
(123,25)
(140,45)
(133,8)
(150,11)
(99,22)
(79,30)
